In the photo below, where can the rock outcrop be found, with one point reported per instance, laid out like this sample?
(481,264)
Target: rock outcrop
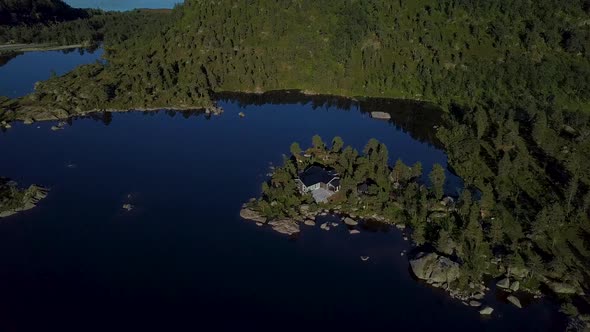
(503,283)
(380,115)
(249,214)
(434,268)
(14,200)
(486,311)
(514,300)
(350,222)
(285,226)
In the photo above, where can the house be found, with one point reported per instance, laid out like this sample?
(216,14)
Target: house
(322,183)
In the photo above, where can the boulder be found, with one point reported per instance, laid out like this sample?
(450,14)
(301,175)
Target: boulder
(250,214)
(285,226)
(28,121)
(350,221)
(514,300)
(353,231)
(242,115)
(434,268)
(562,288)
(503,283)
(518,272)
(487,310)
(304,208)
(128,207)
(364,258)
(515,286)
(325,226)
(380,115)
(474,303)
(309,222)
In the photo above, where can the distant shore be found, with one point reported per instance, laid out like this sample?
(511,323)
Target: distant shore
(37,47)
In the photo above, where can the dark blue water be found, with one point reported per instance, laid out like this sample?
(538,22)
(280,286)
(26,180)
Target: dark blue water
(183,259)
(19,75)
(122,4)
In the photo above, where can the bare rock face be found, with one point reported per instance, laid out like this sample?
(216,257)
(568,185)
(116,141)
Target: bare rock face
(250,214)
(434,268)
(285,226)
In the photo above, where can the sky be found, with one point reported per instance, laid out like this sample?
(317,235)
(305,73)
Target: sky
(122,4)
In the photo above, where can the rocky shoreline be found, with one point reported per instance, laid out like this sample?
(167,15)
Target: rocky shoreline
(437,270)
(31,114)
(14,200)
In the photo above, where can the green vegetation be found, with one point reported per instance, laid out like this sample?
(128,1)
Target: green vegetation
(511,218)
(19,12)
(52,22)
(281,196)
(13,199)
(498,55)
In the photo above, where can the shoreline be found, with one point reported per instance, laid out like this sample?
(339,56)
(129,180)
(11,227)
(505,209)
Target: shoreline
(33,113)
(10,48)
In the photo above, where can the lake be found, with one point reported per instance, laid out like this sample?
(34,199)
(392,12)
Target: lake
(20,72)
(183,259)
(122,5)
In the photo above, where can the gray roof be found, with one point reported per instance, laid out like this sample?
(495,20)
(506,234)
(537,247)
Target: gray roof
(316,174)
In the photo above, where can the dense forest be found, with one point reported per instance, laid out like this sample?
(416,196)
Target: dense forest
(54,22)
(19,12)
(513,76)
(503,54)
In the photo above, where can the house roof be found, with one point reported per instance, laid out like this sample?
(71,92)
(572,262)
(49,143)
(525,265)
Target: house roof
(316,174)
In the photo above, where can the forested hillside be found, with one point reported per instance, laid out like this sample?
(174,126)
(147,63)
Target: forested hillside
(505,53)
(54,22)
(19,12)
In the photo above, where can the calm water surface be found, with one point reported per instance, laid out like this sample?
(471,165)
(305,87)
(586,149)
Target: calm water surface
(183,259)
(122,4)
(20,73)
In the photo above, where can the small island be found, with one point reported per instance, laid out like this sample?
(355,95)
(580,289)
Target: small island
(456,239)
(14,199)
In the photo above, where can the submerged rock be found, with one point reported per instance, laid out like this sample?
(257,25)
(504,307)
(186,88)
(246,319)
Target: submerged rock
(364,258)
(354,231)
(128,207)
(434,268)
(285,226)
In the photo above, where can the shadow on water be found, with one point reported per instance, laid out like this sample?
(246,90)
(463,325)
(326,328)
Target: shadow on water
(418,119)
